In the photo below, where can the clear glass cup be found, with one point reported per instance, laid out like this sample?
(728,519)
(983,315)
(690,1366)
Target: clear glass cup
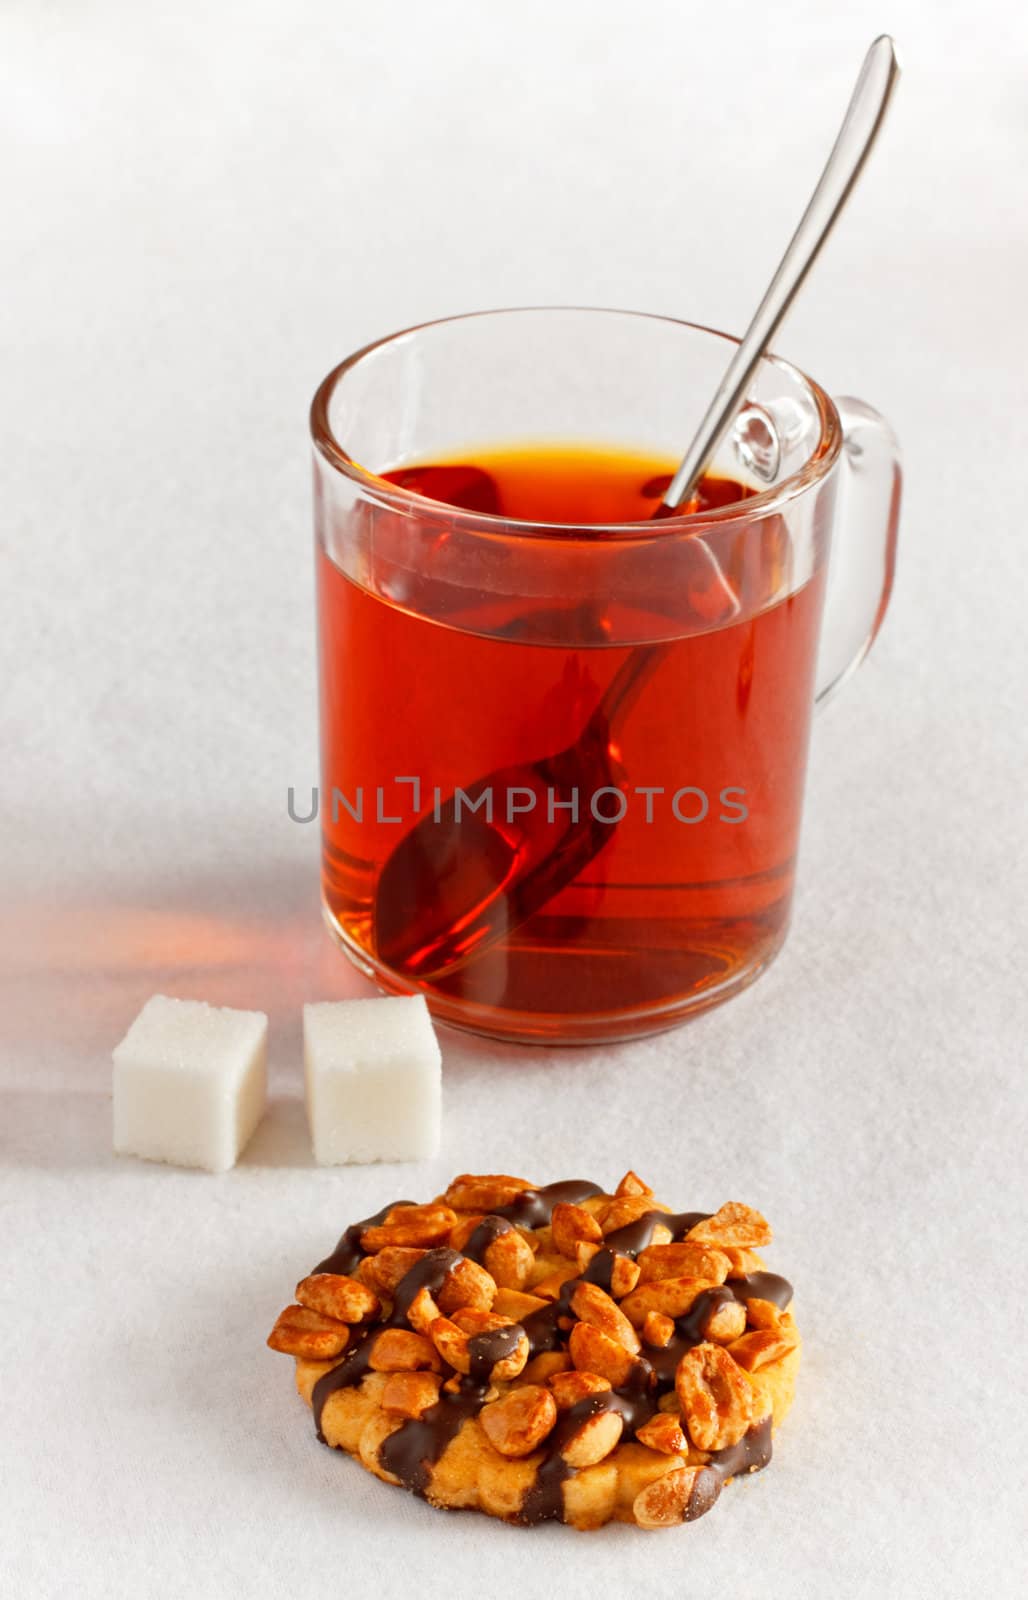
(563,767)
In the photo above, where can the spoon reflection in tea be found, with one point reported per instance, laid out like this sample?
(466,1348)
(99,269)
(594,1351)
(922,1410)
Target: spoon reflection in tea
(492,855)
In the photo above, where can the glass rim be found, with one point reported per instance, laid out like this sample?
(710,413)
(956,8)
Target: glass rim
(393,497)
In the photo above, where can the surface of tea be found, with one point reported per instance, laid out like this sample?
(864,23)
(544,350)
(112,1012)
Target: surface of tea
(574,486)
(646,860)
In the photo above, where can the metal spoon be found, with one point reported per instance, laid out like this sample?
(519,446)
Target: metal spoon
(852,146)
(462,877)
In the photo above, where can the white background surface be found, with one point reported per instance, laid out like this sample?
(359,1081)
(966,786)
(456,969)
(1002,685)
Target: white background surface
(205,207)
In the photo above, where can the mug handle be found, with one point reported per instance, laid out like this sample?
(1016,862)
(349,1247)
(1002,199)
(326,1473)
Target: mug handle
(863,561)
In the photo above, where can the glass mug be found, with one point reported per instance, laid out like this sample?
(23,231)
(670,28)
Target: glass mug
(563,766)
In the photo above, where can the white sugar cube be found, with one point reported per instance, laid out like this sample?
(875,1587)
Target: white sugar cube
(190,1083)
(373,1078)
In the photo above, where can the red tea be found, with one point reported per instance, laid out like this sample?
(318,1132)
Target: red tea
(637,851)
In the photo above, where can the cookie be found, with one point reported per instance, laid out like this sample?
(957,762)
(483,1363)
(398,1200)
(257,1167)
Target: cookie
(550,1353)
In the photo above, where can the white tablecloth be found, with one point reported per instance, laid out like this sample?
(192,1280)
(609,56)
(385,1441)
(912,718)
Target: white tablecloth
(205,207)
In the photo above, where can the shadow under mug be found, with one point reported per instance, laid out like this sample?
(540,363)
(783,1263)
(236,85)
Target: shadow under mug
(563,767)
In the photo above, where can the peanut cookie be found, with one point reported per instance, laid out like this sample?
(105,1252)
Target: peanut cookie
(550,1353)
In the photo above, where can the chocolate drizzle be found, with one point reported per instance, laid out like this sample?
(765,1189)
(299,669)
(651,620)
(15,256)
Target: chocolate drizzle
(488,1230)
(486,1349)
(347,1255)
(413,1449)
(543,1326)
(688,1332)
(410,1451)
(633,1402)
(762,1286)
(428,1273)
(636,1236)
(751,1453)
(533,1208)
(544,1502)
(417,1445)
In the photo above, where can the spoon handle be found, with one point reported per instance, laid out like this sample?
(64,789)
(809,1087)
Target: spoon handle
(859,129)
